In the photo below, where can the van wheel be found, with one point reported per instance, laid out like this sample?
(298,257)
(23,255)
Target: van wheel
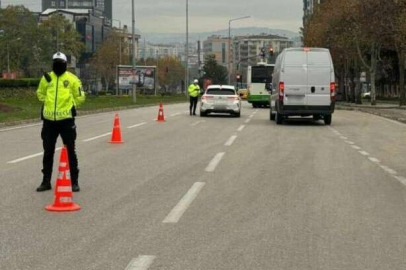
(327,119)
(237,114)
(278,118)
(271,115)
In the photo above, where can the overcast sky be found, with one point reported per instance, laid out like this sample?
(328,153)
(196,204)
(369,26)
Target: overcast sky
(168,16)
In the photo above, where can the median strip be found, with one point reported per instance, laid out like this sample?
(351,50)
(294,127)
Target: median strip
(178,211)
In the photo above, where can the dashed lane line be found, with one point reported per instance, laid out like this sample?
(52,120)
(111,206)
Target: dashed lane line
(175,114)
(247,121)
(178,211)
(137,125)
(241,127)
(215,162)
(141,263)
(197,123)
(97,137)
(388,170)
(231,140)
(374,160)
(356,147)
(30,156)
(364,153)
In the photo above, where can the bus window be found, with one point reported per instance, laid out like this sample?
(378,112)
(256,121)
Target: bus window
(261,74)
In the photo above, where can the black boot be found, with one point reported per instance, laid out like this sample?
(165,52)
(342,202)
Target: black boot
(75,182)
(45,185)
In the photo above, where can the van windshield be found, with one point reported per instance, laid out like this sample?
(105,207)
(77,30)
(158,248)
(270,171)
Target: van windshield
(218,91)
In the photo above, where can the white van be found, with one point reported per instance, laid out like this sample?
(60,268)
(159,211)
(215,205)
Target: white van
(303,85)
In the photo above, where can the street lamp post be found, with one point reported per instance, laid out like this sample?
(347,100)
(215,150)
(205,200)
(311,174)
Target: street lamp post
(187,47)
(133,56)
(229,45)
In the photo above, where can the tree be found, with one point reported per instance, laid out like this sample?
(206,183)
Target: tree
(62,35)
(107,58)
(23,41)
(212,70)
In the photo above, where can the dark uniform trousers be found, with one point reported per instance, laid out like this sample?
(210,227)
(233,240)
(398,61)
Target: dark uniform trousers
(49,134)
(193,104)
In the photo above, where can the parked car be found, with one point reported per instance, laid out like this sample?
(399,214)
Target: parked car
(220,99)
(303,85)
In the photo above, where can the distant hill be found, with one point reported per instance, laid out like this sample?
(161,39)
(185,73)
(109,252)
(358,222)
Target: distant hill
(194,37)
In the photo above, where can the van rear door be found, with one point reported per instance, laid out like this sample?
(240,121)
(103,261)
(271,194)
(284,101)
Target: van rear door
(319,66)
(295,77)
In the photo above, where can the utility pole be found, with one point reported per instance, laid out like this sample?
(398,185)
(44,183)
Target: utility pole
(230,67)
(199,60)
(187,47)
(133,56)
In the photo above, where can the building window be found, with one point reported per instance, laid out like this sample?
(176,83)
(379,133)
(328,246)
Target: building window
(62,4)
(53,4)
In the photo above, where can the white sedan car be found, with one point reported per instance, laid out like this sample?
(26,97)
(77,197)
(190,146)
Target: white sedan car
(220,99)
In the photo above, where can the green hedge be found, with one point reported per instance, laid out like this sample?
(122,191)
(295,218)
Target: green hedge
(17,92)
(19,83)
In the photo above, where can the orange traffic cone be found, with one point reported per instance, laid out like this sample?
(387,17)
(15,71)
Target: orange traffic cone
(63,190)
(161,117)
(116,135)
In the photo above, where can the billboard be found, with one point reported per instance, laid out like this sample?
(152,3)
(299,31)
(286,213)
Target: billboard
(143,77)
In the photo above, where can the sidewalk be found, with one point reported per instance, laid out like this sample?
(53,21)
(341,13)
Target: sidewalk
(387,110)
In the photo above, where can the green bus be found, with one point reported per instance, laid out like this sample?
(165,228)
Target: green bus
(259,81)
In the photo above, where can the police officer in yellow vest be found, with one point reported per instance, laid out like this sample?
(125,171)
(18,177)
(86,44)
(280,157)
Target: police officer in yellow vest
(194,92)
(61,93)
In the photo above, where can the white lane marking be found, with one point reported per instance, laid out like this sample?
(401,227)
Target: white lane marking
(241,128)
(401,179)
(364,153)
(356,147)
(375,160)
(141,263)
(20,127)
(178,211)
(344,138)
(388,170)
(247,121)
(198,122)
(137,125)
(251,115)
(97,137)
(349,142)
(231,140)
(214,162)
(175,114)
(30,156)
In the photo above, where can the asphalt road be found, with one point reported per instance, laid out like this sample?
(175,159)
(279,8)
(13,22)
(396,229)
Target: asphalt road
(212,193)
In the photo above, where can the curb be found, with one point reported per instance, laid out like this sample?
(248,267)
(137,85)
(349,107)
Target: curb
(83,114)
(377,113)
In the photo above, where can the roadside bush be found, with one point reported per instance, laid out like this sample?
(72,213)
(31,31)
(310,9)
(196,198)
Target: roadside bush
(17,92)
(19,83)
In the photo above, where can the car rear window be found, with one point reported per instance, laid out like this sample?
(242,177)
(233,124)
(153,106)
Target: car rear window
(218,91)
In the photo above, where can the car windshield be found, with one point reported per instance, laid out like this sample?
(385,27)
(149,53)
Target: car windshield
(222,92)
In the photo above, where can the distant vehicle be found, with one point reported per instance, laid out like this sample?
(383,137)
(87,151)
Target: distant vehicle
(243,93)
(220,99)
(366,95)
(303,85)
(259,82)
